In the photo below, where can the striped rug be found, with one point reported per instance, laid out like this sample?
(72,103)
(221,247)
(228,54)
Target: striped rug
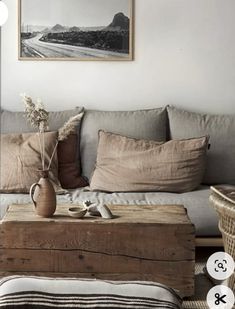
(21,292)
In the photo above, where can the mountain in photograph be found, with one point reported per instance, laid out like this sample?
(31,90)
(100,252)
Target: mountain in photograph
(46,30)
(58,28)
(99,28)
(31,28)
(120,22)
(74,28)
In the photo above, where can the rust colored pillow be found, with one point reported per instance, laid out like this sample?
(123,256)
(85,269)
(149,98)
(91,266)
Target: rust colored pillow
(126,164)
(69,163)
(21,160)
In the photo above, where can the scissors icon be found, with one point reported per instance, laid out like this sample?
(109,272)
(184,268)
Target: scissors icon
(219,299)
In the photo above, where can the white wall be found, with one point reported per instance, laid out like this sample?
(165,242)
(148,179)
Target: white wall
(184,55)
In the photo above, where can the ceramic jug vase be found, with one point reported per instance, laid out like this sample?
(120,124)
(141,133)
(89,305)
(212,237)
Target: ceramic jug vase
(43,196)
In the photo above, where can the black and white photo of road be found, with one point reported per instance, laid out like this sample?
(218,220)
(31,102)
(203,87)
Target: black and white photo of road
(80,29)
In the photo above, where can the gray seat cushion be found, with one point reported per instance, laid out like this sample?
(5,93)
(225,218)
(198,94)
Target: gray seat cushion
(197,203)
(221,129)
(144,124)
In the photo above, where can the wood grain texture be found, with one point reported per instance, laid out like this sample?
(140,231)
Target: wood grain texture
(142,243)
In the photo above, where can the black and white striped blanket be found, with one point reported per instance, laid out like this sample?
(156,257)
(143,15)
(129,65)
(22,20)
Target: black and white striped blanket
(21,292)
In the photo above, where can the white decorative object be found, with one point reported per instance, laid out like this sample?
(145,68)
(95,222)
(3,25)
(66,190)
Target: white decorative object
(98,209)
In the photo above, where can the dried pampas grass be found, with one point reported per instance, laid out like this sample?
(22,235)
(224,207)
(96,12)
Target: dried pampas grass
(35,113)
(38,117)
(69,127)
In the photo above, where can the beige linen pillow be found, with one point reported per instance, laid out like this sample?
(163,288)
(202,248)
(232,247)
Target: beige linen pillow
(21,159)
(127,164)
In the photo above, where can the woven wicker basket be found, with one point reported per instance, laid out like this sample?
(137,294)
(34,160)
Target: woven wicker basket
(226,212)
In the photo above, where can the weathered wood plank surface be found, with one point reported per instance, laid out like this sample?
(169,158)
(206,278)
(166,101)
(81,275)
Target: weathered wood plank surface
(170,214)
(81,261)
(149,242)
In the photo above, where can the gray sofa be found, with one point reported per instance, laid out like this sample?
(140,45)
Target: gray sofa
(155,124)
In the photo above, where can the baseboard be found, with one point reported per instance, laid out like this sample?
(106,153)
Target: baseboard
(209,242)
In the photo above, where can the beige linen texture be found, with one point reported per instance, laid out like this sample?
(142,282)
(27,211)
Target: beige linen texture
(21,160)
(127,164)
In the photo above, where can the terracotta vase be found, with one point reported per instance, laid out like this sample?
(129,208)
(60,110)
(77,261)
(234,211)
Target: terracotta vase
(43,196)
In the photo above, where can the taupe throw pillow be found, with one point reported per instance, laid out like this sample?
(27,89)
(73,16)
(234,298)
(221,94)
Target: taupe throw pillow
(150,124)
(127,164)
(21,159)
(68,151)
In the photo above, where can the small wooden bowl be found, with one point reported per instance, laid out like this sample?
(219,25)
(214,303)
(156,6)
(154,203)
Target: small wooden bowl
(77,212)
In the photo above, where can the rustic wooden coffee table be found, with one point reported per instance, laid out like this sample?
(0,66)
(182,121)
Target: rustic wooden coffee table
(141,243)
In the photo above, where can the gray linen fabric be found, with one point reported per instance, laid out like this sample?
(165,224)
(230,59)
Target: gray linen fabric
(146,124)
(15,122)
(196,202)
(221,129)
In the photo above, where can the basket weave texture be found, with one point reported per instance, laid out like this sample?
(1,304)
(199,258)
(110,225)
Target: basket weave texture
(226,212)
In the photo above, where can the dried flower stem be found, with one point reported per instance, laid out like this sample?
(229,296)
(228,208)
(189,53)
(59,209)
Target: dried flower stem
(70,126)
(38,117)
(43,150)
(53,153)
(40,145)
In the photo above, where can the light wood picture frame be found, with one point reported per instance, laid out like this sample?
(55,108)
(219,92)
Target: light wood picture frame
(75,30)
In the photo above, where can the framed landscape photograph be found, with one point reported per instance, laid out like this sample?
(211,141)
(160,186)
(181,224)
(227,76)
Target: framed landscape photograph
(75,29)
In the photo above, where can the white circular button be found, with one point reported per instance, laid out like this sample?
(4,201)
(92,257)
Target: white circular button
(3,13)
(220,265)
(220,297)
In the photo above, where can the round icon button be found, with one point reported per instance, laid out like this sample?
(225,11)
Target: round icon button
(220,297)
(220,265)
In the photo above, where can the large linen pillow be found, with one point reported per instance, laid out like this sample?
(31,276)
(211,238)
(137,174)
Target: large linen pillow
(221,129)
(146,124)
(21,160)
(126,164)
(70,174)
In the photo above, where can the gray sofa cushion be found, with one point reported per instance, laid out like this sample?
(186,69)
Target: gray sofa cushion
(15,122)
(221,129)
(145,124)
(197,203)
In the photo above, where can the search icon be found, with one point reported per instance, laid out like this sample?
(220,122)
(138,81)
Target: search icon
(220,265)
